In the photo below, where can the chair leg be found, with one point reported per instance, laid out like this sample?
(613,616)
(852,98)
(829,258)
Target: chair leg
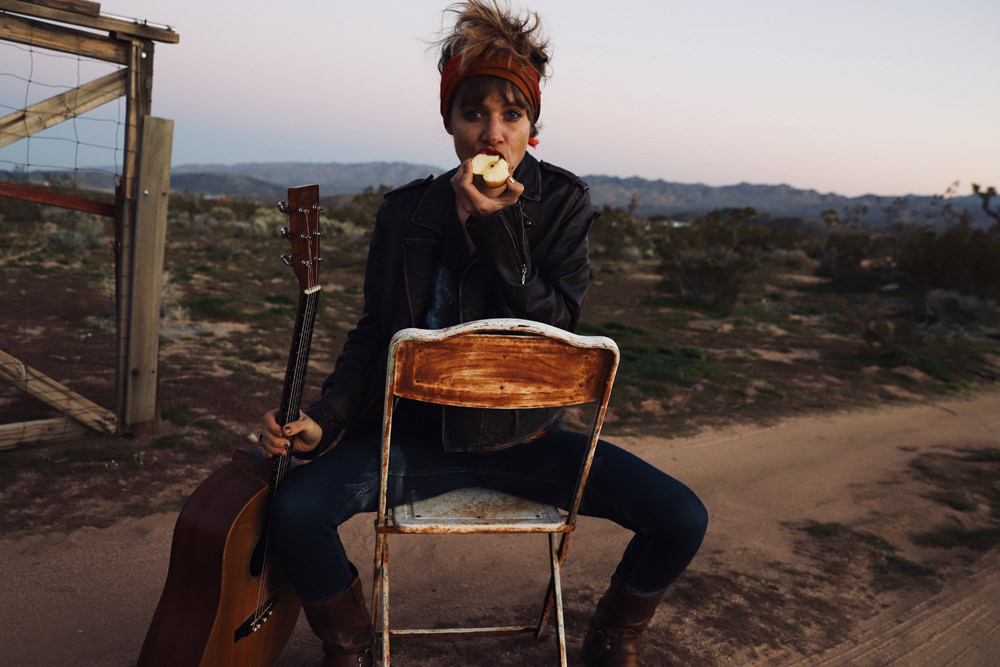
(376,580)
(555,588)
(550,592)
(543,618)
(384,600)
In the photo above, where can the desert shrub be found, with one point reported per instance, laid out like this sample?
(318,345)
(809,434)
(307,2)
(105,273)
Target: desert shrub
(361,209)
(954,308)
(222,214)
(795,258)
(171,300)
(266,220)
(615,233)
(186,205)
(238,229)
(221,250)
(765,235)
(348,224)
(19,210)
(846,256)
(189,204)
(61,240)
(959,258)
(704,260)
(87,233)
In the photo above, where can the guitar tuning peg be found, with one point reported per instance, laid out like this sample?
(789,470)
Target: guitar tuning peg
(287,259)
(283,206)
(285,232)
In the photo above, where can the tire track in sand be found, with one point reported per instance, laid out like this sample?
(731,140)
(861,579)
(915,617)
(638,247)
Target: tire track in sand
(958,626)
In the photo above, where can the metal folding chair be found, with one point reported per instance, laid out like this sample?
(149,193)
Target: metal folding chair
(496,363)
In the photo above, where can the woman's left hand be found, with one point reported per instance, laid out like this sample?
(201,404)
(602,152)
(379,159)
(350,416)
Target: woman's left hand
(480,202)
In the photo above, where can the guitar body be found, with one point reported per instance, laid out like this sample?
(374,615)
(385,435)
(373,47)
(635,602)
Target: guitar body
(225,601)
(214,594)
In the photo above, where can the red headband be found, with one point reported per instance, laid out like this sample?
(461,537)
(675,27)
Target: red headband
(525,79)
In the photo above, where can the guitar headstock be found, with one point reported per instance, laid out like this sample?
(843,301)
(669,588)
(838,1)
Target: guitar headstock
(302,209)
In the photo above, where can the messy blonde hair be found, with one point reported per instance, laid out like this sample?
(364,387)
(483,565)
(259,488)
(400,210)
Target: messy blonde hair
(484,29)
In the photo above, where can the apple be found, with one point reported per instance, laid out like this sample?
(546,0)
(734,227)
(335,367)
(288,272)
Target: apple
(490,170)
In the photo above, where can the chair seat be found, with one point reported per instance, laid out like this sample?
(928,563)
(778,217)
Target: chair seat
(478,510)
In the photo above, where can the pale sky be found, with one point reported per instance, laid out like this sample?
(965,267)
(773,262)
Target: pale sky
(847,96)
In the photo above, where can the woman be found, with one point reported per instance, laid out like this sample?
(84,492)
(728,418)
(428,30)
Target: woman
(446,250)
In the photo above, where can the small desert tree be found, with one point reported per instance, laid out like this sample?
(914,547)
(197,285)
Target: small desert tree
(986,194)
(705,260)
(615,232)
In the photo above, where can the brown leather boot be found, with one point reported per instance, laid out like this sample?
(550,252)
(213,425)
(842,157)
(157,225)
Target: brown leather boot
(621,616)
(345,626)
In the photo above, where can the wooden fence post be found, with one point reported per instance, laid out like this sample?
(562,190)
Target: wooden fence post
(152,193)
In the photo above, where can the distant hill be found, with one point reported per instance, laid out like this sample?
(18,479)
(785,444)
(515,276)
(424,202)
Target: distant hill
(333,178)
(778,201)
(654,197)
(220,184)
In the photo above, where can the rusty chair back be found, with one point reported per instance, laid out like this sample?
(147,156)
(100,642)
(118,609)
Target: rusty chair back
(500,364)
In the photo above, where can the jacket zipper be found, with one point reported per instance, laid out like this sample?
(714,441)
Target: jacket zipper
(519,245)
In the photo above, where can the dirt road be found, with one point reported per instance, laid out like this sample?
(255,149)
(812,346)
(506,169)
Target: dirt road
(86,598)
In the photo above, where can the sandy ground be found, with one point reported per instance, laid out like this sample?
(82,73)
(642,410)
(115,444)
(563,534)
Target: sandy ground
(86,598)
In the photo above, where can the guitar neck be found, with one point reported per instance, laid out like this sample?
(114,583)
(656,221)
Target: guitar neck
(298,361)
(298,356)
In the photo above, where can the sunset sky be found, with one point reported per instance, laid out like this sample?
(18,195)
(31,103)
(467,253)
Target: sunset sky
(851,96)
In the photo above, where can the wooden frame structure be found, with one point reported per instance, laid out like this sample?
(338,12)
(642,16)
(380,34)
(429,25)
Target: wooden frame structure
(140,209)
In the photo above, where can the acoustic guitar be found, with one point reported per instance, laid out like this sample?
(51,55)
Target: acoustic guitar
(225,600)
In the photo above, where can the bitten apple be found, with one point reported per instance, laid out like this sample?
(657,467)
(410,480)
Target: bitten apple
(490,170)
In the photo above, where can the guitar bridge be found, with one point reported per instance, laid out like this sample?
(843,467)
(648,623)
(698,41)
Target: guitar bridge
(257,619)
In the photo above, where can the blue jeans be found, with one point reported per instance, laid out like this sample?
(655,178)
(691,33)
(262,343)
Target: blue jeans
(668,519)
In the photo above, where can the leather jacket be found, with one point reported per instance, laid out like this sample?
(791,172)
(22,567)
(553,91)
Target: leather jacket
(531,261)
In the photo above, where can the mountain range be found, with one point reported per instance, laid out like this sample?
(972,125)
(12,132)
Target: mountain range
(649,197)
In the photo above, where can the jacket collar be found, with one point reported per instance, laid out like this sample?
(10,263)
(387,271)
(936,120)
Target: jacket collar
(440,197)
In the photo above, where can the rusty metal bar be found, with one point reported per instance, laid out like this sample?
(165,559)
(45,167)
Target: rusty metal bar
(456,632)
(49,198)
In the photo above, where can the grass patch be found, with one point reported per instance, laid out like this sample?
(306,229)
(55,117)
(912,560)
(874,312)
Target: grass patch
(824,529)
(177,413)
(174,442)
(213,308)
(616,330)
(982,539)
(653,366)
(983,455)
(955,500)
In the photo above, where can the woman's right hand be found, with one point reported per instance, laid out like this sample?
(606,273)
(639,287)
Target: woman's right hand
(276,440)
(476,202)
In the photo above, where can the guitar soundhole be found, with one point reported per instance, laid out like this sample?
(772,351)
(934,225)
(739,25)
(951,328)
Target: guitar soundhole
(258,558)
(259,561)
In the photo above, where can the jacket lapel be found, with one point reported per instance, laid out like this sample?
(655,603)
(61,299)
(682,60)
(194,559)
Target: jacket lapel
(421,247)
